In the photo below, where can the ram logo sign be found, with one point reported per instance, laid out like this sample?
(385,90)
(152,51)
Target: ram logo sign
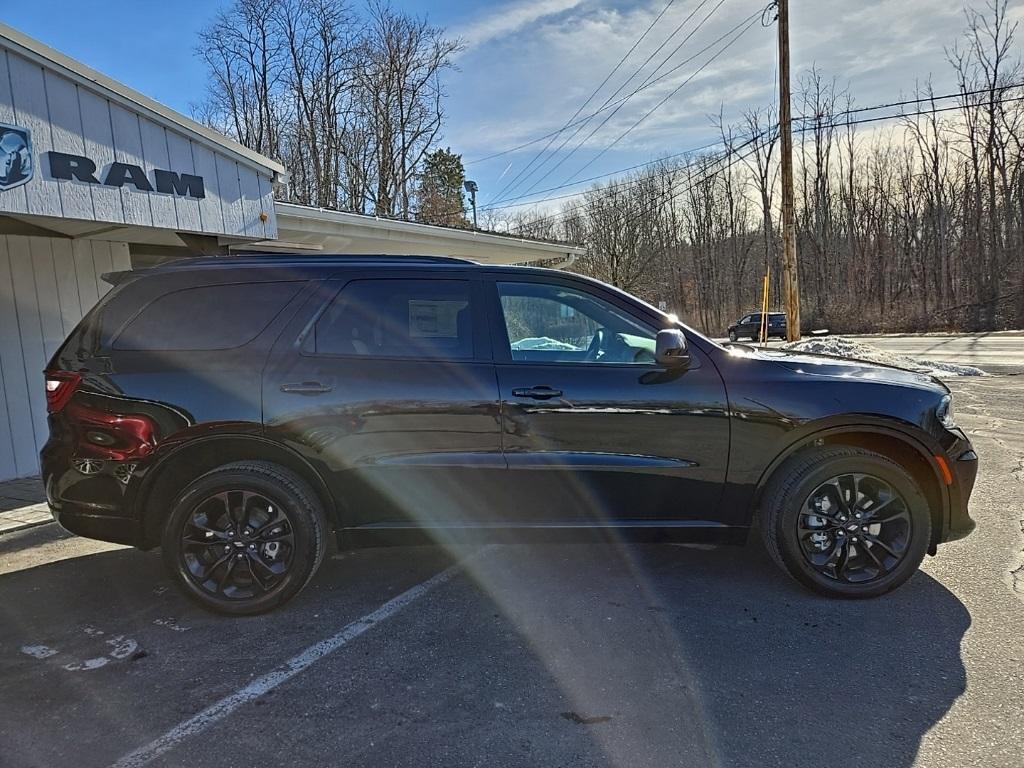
(78,168)
(15,156)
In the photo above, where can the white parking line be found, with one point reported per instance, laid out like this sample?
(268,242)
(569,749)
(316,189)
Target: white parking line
(221,709)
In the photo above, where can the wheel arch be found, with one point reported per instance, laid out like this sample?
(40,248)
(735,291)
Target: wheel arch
(166,479)
(910,451)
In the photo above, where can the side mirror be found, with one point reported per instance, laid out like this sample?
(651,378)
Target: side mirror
(670,348)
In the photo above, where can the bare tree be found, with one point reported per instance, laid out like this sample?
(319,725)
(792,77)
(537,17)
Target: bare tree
(350,102)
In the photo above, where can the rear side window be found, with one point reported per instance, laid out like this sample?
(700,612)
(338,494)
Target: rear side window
(397,318)
(208,317)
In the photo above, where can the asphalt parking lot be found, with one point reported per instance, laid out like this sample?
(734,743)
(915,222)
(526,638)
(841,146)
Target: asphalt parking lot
(585,655)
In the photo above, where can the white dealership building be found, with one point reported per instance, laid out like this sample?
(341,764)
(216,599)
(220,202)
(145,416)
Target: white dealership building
(96,177)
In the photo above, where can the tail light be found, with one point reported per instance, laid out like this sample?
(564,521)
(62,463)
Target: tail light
(111,436)
(60,386)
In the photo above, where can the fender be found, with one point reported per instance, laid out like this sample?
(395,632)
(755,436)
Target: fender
(909,434)
(263,448)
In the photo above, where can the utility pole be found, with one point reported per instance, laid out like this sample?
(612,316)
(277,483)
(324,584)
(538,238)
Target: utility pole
(790,273)
(472,188)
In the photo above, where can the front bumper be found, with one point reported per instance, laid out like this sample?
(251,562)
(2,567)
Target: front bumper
(965,472)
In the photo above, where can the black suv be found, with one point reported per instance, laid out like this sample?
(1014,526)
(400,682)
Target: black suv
(750,326)
(239,411)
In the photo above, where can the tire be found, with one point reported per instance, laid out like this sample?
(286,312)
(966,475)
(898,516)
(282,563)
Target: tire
(257,557)
(790,513)
(732,335)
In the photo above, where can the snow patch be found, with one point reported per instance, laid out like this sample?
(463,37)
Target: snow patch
(837,346)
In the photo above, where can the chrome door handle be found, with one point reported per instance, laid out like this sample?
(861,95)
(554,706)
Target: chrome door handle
(537,393)
(307,388)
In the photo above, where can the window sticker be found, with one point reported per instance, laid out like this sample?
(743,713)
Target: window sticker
(434,318)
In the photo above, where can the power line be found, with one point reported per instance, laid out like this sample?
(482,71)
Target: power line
(709,173)
(832,122)
(582,106)
(661,103)
(734,157)
(908,102)
(587,118)
(648,80)
(581,124)
(510,202)
(673,70)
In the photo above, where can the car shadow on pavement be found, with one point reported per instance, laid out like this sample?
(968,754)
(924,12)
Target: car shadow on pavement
(603,654)
(789,678)
(671,655)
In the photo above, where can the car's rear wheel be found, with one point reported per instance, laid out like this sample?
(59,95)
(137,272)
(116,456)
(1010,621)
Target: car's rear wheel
(846,522)
(244,538)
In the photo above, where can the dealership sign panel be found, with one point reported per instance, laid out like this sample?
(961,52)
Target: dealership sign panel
(15,156)
(71,150)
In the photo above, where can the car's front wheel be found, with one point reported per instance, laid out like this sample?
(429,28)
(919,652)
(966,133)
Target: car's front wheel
(244,538)
(732,335)
(846,522)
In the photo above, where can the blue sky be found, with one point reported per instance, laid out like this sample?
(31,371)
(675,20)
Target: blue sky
(529,64)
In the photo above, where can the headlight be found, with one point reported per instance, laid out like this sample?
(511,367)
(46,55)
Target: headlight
(944,412)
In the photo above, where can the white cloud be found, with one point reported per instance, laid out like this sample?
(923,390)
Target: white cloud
(543,58)
(510,19)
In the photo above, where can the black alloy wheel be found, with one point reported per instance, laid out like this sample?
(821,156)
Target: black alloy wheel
(854,528)
(237,544)
(845,522)
(245,538)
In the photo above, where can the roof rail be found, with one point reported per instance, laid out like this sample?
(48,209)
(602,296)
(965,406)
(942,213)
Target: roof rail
(258,257)
(294,259)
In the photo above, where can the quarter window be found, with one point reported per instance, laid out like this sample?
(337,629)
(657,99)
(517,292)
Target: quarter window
(555,324)
(208,317)
(397,318)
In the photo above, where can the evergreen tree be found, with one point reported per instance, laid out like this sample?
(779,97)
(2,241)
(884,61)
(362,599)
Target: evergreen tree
(440,190)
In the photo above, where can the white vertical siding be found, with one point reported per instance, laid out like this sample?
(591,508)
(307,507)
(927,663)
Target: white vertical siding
(154,155)
(28,93)
(46,286)
(230,193)
(17,424)
(69,116)
(99,147)
(179,153)
(66,130)
(128,149)
(14,200)
(211,207)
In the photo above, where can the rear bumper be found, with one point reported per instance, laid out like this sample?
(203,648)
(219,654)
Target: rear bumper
(84,522)
(90,503)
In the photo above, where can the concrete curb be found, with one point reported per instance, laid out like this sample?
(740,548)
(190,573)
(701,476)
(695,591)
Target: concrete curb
(24,517)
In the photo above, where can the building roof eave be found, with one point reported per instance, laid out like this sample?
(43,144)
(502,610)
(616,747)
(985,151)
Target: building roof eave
(336,231)
(77,71)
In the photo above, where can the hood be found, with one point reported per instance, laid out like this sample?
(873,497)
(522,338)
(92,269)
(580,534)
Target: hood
(812,364)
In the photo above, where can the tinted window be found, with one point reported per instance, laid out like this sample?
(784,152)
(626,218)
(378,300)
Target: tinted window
(207,317)
(398,318)
(551,323)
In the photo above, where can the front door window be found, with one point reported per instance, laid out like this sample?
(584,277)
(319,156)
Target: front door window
(555,324)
